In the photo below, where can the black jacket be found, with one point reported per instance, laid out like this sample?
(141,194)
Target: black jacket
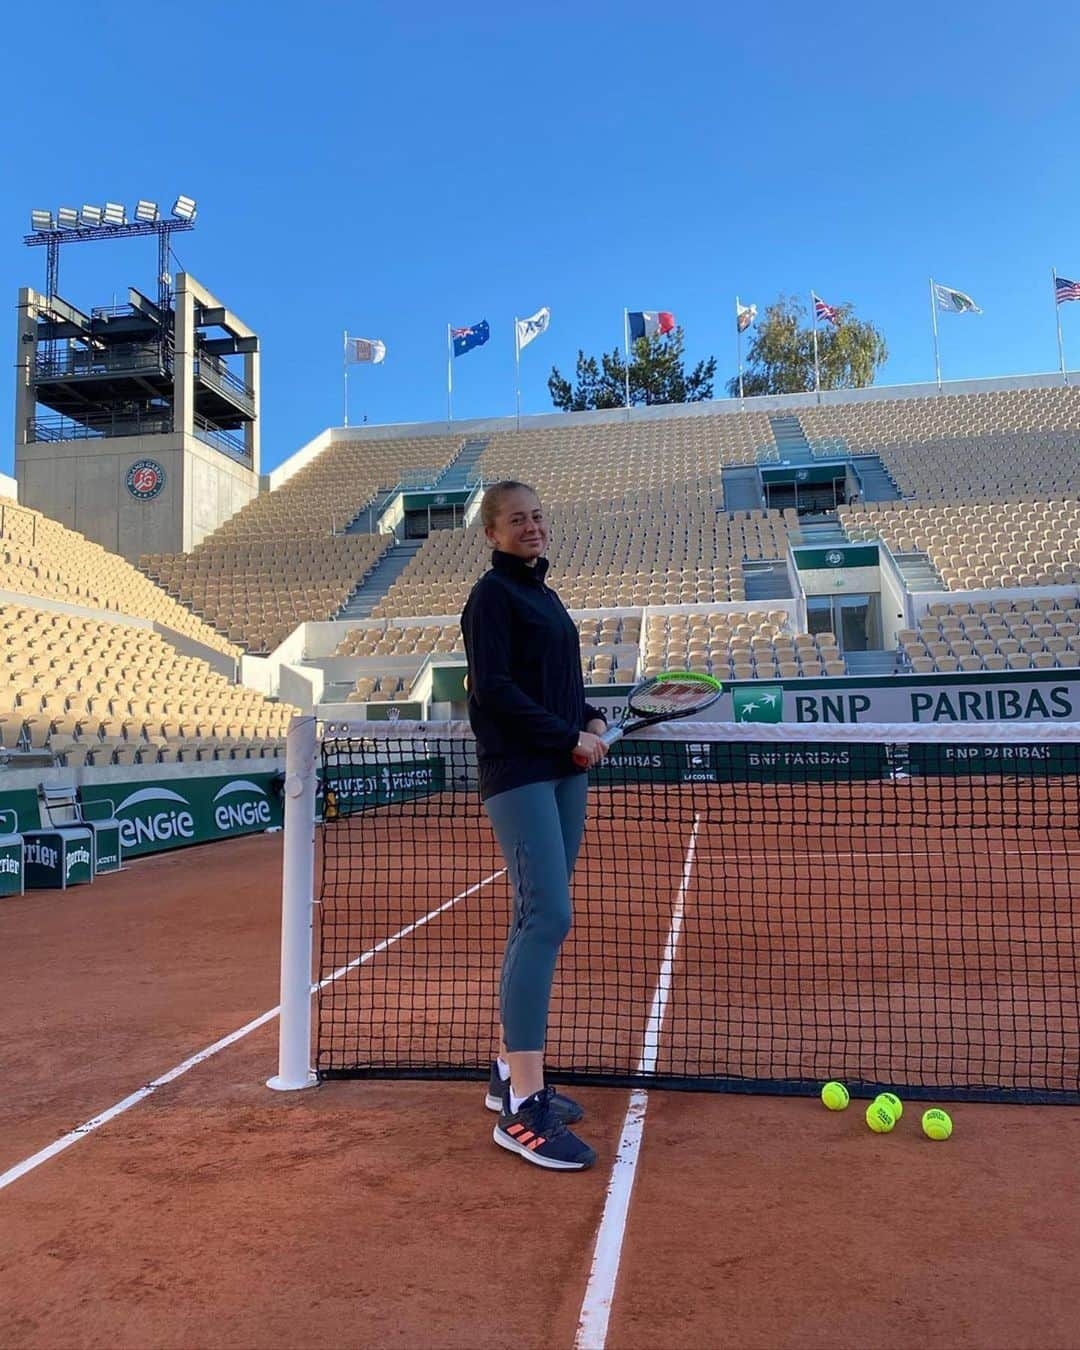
(526,695)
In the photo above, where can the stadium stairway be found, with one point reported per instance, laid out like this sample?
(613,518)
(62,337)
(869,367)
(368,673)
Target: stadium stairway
(366,520)
(766,581)
(919,572)
(820,533)
(742,489)
(870,663)
(876,483)
(456,474)
(382,576)
(791,442)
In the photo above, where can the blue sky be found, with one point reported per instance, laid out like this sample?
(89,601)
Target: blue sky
(388,168)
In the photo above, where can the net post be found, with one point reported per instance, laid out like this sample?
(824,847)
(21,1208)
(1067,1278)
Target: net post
(297,902)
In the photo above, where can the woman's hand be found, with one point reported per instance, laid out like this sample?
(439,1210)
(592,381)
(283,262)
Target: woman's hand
(590,749)
(597,726)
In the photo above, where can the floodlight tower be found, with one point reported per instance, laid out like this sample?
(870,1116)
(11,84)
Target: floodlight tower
(130,423)
(109,222)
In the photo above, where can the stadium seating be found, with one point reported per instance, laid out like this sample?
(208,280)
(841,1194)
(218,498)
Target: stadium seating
(578,463)
(1011,443)
(984,545)
(257,592)
(605,554)
(41,557)
(740,645)
(283,558)
(994,635)
(96,692)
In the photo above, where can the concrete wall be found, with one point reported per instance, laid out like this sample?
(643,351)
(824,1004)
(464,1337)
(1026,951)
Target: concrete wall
(216,487)
(83,485)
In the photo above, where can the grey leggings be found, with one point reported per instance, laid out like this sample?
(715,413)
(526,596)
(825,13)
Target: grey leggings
(539,828)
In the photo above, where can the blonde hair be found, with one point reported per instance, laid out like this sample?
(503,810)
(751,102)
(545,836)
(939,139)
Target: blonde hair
(492,498)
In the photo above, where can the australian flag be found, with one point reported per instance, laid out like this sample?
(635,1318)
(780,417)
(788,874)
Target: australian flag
(465,339)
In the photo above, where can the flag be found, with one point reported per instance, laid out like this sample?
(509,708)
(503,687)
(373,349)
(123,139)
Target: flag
(465,339)
(644,323)
(1066,290)
(366,349)
(954,302)
(744,316)
(527,329)
(826,313)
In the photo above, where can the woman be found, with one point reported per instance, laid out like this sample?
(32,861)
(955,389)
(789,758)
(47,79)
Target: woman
(527,708)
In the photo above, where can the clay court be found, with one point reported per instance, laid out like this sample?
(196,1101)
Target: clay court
(214,1212)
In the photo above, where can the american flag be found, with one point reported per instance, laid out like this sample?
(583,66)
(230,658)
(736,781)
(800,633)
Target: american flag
(1066,290)
(826,312)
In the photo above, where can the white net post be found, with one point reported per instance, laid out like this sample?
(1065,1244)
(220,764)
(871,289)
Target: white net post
(297,908)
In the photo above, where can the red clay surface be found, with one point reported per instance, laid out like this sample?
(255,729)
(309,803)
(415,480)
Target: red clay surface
(217,1213)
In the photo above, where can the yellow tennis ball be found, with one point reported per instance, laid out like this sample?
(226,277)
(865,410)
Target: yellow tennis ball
(879,1117)
(893,1102)
(936,1124)
(835,1096)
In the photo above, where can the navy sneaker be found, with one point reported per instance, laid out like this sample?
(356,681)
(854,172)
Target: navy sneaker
(538,1134)
(568,1110)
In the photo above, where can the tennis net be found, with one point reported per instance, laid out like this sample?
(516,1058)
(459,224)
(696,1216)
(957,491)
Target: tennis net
(756,908)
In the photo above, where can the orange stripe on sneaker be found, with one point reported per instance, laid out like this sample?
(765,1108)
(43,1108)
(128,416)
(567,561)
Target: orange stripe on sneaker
(515,1130)
(536,1142)
(524,1138)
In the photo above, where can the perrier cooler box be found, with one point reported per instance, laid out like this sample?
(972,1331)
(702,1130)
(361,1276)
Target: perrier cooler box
(11,864)
(58,857)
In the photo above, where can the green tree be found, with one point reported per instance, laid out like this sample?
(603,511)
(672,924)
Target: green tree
(657,375)
(781,355)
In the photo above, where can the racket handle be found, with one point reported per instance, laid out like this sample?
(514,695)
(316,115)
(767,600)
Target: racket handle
(609,737)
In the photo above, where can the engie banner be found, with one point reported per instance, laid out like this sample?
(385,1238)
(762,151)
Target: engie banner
(170,812)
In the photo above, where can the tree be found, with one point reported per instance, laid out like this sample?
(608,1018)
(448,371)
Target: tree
(781,355)
(657,375)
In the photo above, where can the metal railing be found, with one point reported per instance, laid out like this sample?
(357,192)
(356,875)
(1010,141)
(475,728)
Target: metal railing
(225,441)
(216,373)
(59,428)
(79,361)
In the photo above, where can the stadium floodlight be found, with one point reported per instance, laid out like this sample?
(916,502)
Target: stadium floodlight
(41,221)
(184,208)
(146,211)
(67,218)
(115,214)
(91,215)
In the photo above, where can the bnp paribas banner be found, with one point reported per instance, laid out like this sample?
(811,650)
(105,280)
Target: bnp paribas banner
(1006,696)
(169,813)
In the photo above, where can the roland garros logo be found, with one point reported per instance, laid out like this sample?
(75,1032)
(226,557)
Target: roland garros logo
(145,479)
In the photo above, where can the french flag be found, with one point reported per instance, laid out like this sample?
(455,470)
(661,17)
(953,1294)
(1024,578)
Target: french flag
(647,322)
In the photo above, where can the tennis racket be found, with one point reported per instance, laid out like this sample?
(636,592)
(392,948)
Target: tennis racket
(662,698)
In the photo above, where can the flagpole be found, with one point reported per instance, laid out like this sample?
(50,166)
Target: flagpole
(345,374)
(817,371)
(626,350)
(517,373)
(449,375)
(1057,316)
(937,348)
(738,345)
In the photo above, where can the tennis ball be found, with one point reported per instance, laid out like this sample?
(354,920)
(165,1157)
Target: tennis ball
(936,1124)
(835,1096)
(893,1102)
(879,1117)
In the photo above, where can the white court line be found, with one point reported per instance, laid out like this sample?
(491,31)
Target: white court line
(983,850)
(20,1169)
(600,1290)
